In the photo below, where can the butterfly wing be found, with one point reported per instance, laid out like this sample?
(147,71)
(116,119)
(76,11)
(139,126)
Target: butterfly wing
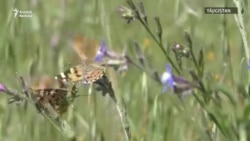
(92,73)
(73,74)
(56,98)
(87,73)
(84,47)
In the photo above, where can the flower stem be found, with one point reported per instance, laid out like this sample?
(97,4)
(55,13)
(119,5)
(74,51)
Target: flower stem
(240,23)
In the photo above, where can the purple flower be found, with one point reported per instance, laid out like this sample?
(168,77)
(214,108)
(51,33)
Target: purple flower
(101,52)
(111,58)
(167,79)
(2,88)
(248,64)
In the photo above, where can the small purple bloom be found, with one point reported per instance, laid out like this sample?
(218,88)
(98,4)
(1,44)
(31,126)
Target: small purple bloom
(101,52)
(248,64)
(2,88)
(167,79)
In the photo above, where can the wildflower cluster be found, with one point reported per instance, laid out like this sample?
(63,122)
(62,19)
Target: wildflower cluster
(173,77)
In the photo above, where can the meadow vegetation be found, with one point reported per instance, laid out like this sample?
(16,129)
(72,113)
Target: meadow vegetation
(207,97)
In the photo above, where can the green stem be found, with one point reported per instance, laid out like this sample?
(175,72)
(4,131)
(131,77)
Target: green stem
(159,44)
(240,24)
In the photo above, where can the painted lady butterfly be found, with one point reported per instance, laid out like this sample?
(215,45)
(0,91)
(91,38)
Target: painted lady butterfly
(87,73)
(58,99)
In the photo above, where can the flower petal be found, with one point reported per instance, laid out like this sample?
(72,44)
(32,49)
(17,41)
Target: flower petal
(248,64)
(166,75)
(2,88)
(167,79)
(101,52)
(98,57)
(103,48)
(164,89)
(168,68)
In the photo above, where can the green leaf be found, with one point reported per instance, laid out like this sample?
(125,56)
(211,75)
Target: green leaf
(246,114)
(201,61)
(226,91)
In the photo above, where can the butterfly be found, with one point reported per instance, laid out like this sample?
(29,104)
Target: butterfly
(87,73)
(56,99)
(84,47)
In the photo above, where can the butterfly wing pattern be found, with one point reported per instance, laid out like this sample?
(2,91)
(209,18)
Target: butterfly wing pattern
(92,73)
(56,98)
(87,73)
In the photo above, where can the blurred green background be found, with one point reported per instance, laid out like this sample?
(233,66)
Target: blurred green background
(39,45)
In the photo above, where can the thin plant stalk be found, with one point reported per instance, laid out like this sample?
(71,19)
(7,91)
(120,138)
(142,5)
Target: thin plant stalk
(123,115)
(106,87)
(158,42)
(240,23)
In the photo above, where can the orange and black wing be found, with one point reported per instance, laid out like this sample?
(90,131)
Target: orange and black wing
(92,73)
(87,73)
(73,74)
(56,98)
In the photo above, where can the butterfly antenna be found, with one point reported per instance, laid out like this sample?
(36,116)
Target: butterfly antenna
(82,95)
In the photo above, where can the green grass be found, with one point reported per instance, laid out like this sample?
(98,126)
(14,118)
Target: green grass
(25,50)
